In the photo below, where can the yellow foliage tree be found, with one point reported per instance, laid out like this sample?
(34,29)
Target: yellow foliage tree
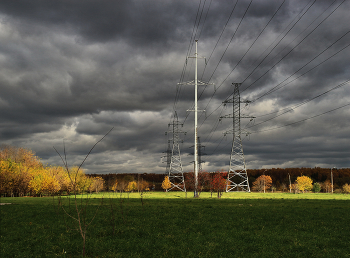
(62,178)
(143,186)
(132,186)
(304,183)
(166,184)
(42,182)
(14,178)
(346,188)
(114,186)
(78,181)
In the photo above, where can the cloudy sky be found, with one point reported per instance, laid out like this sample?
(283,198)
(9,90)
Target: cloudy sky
(72,70)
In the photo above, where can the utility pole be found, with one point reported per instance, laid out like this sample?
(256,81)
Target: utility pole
(174,166)
(264,180)
(200,154)
(332,178)
(196,83)
(290,184)
(237,178)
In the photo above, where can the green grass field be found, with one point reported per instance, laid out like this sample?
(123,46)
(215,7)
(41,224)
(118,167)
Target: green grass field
(171,225)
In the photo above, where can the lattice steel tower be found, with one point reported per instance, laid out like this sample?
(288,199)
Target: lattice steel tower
(200,154)
(168,157)
(174,165)
(237,178)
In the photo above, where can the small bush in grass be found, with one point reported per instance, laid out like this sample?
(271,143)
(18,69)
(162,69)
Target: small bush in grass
(346,188)
(317,187)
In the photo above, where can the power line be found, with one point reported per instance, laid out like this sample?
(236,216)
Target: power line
(217,42)
(178,86)
(243,55)
(234,34)
(267,54)
(303,120)
(287,110)
(301,32)
(281,86)
(294,47)
(252,44)
(205,19)
(306,101)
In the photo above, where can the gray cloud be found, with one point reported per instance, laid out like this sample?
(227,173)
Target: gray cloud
(72,70)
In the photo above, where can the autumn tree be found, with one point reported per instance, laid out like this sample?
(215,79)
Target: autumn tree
(42,182)
(327,186)
(19,155)
(143,185)
(122,184)
(219,183)
(132,186)
(14,178)
(15,164)
(166,184)
(346,188)
(203,181)
(115,185)
(96,185)
(262,183)
(304,183)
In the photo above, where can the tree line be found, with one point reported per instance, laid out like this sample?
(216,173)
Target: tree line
(283,178)
(22,173)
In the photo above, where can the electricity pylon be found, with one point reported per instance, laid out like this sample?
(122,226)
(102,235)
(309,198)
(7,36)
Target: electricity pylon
(196,83)
(168,157)
(200,154)
(174,166)
(237,178)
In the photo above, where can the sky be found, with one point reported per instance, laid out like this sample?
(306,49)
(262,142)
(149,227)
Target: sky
(73,70)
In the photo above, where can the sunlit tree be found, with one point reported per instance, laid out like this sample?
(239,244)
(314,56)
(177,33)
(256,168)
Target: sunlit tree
(262,183)
(132,186)
(346,188)
(304,183)
(114,186)
(143,185)
(97,184)
(42,182)
(166,183)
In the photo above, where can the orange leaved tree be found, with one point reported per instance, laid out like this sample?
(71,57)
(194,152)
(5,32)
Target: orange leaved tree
(262,183)
(219,183)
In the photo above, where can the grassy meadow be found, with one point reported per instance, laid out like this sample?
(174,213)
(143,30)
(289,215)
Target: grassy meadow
(171,225)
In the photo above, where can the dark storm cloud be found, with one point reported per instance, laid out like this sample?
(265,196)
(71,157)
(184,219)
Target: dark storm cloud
(140,23)
(72,70)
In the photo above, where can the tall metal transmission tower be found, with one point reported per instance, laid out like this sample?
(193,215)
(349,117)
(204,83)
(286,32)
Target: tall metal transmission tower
(174,166)
(196,82)
(168,157)
(237,178)
(200,154)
